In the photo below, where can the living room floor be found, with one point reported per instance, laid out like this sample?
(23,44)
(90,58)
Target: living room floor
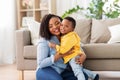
(9,72)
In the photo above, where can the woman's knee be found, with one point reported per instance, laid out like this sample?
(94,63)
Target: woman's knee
(39,74)
(47,74)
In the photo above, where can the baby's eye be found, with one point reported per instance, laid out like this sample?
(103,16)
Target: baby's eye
(66,26)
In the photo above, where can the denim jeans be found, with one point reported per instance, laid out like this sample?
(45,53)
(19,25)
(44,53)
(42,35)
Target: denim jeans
(79,70)
(69,75)
(49,73)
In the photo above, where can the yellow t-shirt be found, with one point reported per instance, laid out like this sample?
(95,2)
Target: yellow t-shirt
(69,41)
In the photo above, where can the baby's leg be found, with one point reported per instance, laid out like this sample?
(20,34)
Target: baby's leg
(89,73)
(77,69)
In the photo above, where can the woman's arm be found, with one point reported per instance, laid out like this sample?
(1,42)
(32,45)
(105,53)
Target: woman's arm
(43,52)
(80,60)
(44,59)
(57,56)
(42,55)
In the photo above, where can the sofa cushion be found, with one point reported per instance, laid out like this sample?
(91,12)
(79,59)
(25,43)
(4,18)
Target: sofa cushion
(115,34)
(99,30)
(30,52)
(34,28)
(83,28)
(103,65)
(102,51)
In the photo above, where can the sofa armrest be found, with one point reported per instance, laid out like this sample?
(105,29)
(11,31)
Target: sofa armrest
(22,37)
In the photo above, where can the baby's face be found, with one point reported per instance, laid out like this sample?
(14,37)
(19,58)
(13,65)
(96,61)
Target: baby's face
(66,26)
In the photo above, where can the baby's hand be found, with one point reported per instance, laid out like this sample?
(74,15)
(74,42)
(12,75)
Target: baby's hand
(52,45)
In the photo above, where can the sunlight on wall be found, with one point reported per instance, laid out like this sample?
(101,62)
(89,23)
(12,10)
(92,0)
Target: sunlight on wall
(63,5)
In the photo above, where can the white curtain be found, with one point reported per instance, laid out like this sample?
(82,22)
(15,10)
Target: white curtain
(7,30)
(63,5)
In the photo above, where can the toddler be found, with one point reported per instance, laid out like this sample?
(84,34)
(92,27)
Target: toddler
(71,40)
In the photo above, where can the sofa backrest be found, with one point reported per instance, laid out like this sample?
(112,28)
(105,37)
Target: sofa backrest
(83,28)
(99,30)
(95,31)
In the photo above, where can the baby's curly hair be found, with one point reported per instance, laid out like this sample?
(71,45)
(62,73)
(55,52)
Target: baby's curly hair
(72,20)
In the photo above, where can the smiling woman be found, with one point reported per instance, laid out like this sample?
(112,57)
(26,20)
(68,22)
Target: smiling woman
(7,28)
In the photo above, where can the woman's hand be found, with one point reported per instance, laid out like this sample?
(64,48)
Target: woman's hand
(81,59)
(57,57)
(52,45)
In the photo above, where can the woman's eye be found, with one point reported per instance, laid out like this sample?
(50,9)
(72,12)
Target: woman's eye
(57,23)
(50,26)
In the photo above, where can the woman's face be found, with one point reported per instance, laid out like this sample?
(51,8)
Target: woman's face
(54,26)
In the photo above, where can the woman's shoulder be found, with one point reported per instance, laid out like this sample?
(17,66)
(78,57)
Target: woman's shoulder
(42,40)
(54,39)
(42,44)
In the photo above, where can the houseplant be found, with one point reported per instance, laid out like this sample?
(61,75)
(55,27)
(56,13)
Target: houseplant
(72,10)
(97,9)
(113,10)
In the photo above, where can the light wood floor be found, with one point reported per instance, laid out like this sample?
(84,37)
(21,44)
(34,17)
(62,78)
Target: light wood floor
(9,72)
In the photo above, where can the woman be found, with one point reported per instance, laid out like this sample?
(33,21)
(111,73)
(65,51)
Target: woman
(49,63)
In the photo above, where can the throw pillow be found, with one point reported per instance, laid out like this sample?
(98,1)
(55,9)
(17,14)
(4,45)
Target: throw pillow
(34,28)
(115,34)
(83,28)
(99,30)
